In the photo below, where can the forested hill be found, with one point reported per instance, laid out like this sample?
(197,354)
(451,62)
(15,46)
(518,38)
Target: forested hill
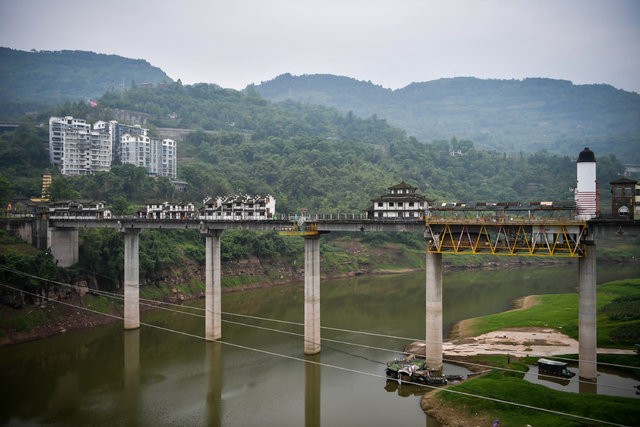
(504,115)
(308,156)
(36,80)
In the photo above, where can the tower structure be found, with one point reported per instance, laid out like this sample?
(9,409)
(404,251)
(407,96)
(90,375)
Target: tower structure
(587,189)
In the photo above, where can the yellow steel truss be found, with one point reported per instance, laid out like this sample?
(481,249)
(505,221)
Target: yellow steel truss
(300,230)
(515,238)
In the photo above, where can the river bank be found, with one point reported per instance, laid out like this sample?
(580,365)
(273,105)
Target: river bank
(77,307)
(69,311)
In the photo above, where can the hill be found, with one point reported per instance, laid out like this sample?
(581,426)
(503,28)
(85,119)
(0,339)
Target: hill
(36,80)
(307,156)
(503,115)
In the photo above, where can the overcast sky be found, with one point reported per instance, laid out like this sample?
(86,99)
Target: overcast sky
(389,42)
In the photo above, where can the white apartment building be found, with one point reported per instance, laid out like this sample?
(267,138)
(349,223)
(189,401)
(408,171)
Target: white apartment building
(77,149)
(159,157)
(58,128)
(135,150)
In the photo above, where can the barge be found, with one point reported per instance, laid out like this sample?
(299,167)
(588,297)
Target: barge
(414,370)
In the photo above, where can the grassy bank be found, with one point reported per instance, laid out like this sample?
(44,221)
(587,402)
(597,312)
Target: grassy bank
(618,315)
(499,387)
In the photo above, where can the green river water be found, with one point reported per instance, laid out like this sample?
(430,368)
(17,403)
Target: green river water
(258,377)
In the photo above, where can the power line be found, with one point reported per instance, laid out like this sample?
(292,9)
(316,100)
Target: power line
(271,353)
(159,304)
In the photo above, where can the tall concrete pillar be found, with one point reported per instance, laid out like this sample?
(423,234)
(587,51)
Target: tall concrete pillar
(312,295)
(213,287)
(64,245)
(434,311)
(131,278)
(587,336)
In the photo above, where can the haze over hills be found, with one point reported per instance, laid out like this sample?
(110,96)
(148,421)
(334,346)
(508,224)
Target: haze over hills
(503,115)
(36,80)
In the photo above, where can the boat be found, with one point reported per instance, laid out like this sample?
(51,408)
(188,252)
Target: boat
(554,367)
(413,370)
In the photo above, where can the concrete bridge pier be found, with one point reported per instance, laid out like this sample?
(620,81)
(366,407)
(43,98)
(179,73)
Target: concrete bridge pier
(131,278)
(434,311)
(587,331)
(213,286)
(312,294)
(64,245)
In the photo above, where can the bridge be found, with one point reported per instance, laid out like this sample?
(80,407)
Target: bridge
(444,232)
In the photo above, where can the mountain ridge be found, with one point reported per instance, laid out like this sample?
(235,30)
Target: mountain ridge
(36,80)
(503,115)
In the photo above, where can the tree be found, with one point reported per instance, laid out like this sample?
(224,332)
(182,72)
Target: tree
(61,189)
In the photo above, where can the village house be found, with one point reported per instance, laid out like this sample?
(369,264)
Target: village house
(239,207)
(169,210)
(402,202)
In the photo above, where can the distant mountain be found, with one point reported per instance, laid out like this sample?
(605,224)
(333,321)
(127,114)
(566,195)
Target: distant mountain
(36,80)
(504,115)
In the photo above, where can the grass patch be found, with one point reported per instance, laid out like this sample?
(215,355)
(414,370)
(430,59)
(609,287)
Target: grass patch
(24,320)
(101,304)
(155,292)
(509,387)
(239,281)
(561,312)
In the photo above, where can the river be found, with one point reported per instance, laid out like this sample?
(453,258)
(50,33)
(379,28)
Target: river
(157,377)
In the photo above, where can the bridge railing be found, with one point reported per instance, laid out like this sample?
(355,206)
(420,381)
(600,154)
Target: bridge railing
(330,217)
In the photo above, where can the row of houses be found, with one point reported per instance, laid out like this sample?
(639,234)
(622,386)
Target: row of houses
(233,207)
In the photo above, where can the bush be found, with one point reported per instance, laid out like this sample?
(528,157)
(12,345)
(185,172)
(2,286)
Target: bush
(623,308)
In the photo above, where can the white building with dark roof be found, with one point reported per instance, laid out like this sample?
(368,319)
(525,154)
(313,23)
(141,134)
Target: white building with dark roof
(401,202)
(239,207)
(169,210)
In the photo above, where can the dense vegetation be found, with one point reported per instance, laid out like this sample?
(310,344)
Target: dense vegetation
(37,80)
(307,156)
(504,115)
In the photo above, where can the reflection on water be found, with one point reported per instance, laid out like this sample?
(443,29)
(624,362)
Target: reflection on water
(312,381)
(106,376)
(607,383)
(215,372)
(131,373)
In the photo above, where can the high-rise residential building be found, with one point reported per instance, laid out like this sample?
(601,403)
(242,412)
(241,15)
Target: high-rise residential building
(135,150)
(77,149)
(159,157)
(58,129)
(163,158)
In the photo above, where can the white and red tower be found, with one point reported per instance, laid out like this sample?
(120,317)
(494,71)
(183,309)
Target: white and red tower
(587,192)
